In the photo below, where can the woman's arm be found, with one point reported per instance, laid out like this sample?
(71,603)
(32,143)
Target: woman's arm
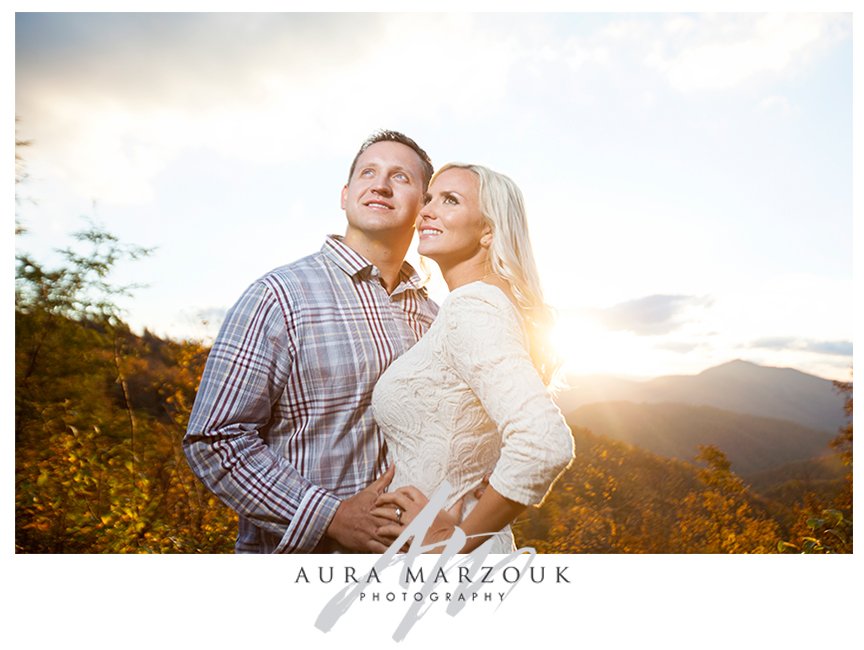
(492,512)
(484,345)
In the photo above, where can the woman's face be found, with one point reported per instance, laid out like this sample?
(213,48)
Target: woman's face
(450,225)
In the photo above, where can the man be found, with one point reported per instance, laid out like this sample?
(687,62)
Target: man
(282,429)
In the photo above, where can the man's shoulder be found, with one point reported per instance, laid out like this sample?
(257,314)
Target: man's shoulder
(297,273)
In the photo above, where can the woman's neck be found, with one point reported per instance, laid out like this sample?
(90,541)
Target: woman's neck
(462,273)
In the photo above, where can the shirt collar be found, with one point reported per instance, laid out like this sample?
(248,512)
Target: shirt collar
(343,256)
(354,264)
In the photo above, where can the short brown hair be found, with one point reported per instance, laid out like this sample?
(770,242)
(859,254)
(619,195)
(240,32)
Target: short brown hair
(401,138)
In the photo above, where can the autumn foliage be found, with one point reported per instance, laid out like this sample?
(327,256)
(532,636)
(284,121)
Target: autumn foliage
(99,417)
(100,414)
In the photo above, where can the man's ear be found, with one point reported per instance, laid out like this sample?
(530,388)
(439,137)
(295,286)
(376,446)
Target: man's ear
(344,195)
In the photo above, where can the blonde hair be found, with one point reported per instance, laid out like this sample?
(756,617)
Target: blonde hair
(512,258)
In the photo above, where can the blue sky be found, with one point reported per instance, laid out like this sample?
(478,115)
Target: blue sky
(688,176)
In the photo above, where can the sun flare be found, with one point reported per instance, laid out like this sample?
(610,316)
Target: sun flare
(587,348)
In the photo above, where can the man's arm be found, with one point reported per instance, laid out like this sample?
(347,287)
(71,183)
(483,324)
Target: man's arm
(246,373)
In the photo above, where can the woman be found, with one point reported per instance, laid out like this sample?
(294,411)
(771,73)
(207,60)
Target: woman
(470,399)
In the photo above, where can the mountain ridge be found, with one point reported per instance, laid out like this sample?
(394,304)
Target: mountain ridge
(738,386)
(752,443)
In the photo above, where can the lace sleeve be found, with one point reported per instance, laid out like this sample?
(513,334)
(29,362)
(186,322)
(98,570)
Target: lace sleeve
(484,344)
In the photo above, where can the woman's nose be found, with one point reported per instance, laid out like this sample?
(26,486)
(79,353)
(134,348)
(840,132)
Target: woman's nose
(427,211)
(424,215)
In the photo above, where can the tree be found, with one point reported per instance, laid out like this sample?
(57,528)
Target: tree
(721,517)
(100,413)
(842,444)
(829,531)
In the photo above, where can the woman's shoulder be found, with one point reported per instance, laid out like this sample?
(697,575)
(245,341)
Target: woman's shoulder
(478,292)
(479,300)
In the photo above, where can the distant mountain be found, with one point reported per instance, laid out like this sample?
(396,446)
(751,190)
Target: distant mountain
(751,443)
(827,468)
(738,386)
(785,487)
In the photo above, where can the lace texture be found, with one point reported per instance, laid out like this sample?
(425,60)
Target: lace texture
(466,401)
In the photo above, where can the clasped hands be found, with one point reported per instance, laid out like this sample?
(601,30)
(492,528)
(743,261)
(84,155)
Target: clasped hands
(372,519)
(401,506)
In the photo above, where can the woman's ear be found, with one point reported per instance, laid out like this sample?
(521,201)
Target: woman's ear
(486,237)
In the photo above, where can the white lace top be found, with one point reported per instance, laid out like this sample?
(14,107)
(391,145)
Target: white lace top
(466,399)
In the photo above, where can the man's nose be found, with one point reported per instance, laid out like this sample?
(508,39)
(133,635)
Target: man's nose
(382,186)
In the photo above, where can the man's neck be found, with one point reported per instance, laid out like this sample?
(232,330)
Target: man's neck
(387,254)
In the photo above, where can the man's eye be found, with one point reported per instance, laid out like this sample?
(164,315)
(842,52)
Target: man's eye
(366,172)
(400,176)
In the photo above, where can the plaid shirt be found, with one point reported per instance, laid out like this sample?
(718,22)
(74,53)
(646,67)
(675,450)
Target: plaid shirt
(282,425)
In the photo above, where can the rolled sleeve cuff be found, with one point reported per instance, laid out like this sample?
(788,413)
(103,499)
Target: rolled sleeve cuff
(309,523)
(512,490)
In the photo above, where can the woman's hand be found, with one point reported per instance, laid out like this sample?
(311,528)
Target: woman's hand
(401,506)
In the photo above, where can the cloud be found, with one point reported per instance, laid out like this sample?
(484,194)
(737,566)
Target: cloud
(211,315)
(681,347)
(695,53)
(724,51)
(831,348)
(776,105)
(113,99)
(650,315)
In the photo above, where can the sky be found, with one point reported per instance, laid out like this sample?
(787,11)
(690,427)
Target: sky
(688,176)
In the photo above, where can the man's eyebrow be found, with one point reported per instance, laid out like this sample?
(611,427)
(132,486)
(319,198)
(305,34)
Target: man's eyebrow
(400,168)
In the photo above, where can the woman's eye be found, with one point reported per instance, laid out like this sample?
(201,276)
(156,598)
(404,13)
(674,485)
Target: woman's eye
(451,200)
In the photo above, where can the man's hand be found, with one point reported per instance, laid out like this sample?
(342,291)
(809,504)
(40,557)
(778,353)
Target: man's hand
(402,506)
(354,526)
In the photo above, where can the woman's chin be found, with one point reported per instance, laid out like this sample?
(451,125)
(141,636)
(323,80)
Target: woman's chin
(427,251)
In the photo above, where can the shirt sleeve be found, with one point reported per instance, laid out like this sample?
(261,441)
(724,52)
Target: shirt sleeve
(484,344)
(246,372)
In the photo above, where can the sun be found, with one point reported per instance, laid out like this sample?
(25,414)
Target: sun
(587,348)
(581,343)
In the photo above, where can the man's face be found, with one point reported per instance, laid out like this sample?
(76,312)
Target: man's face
(385,192)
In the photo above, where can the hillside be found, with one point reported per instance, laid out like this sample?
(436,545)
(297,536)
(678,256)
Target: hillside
(751,443)
(812,471)
(99,418)
(99,468)
(737,386)
(617,498)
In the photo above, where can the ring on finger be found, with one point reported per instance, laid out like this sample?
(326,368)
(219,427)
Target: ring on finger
(398,515)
